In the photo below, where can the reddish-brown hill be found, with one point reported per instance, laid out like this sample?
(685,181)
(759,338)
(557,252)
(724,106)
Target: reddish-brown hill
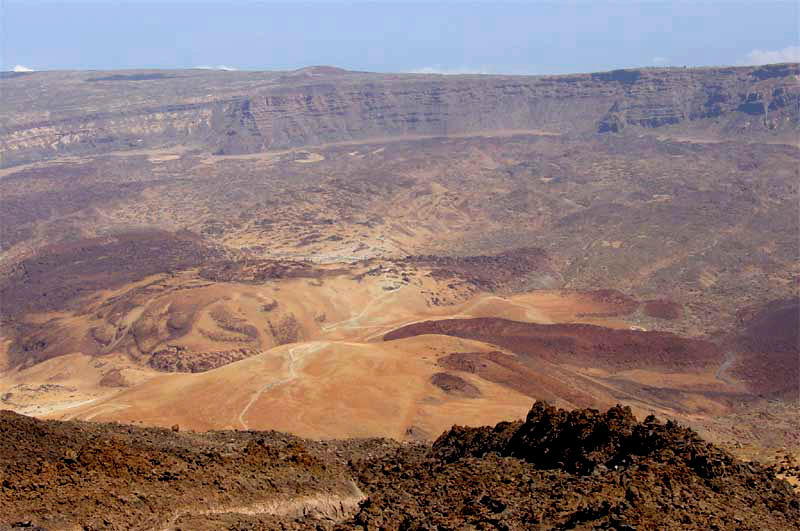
(770,349)
(575,343)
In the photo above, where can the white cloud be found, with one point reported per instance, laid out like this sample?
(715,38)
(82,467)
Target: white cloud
(790,54)
(218,67)
(21,68)
(658,60)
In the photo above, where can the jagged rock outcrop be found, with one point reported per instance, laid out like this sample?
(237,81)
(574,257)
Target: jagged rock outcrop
(572,469)
(583,441)
(233,113)
(179,359)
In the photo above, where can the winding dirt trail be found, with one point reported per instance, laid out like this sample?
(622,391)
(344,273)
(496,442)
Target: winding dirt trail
(727,363)
(293,360)
(326,505)
(348,323)
(99,410)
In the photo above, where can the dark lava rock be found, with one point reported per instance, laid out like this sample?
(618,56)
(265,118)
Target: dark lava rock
(571,469)
(456,385)
(662,309)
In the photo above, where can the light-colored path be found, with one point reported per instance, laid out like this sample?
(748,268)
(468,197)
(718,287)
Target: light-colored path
(327,505)
(353,322)
(293,359)
(727,363)
(106,408)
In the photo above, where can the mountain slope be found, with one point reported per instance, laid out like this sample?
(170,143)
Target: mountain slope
(555,470)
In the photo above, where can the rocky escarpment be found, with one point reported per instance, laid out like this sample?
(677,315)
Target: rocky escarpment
(252,112)
(108,131)
(733,99)
(767,99)
(565,470)
(56,475)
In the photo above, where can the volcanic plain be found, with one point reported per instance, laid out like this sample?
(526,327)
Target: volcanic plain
(337,254)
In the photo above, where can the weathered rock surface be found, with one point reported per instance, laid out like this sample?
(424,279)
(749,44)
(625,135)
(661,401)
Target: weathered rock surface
(178,359)
(564,470)
(104,476)
(248,112)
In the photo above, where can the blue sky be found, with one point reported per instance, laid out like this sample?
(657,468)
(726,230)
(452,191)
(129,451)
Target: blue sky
(451,37)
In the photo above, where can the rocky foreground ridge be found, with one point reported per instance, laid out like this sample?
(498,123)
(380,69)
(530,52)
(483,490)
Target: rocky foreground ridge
(558,469)
(52,113)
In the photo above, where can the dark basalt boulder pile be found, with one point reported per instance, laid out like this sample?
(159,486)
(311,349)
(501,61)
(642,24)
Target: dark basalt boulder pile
(455,385)
(179,359)
(583,441)
(579,469)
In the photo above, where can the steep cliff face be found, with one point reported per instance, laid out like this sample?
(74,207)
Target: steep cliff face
(254,112)
(108,131)
(398,107)
(753,101)
(731,100)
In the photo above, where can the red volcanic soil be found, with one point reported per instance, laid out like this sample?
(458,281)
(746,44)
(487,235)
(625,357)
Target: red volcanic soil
(662,309)
(770,348)
(500,368)
(579,344)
